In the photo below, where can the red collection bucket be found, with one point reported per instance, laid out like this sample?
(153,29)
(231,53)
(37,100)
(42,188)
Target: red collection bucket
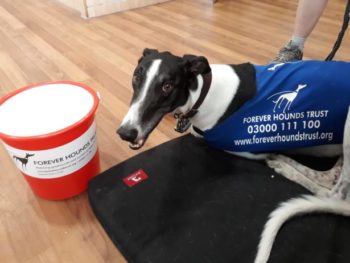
(49,131)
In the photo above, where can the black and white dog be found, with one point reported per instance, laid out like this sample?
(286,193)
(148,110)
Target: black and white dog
(251,110)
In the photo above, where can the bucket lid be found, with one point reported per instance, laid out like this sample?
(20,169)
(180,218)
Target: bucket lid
(45,108)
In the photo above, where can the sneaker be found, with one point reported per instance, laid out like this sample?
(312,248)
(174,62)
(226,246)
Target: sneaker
(288,53)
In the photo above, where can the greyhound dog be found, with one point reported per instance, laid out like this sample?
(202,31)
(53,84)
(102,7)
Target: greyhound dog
(249,111)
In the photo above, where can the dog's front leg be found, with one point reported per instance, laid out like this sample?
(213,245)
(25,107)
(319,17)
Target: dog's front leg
(287,168)
(326,179)
(248,155)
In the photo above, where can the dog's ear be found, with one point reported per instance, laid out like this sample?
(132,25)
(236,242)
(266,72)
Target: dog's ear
(147,52)
(195,65)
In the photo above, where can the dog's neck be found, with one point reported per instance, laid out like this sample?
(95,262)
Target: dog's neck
(225,84)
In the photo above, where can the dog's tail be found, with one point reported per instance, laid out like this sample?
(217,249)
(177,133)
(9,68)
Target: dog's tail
(293,207)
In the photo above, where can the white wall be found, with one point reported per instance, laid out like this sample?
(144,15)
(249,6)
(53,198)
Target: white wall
(93,8)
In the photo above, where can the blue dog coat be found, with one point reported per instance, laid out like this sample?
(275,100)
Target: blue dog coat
(296,105)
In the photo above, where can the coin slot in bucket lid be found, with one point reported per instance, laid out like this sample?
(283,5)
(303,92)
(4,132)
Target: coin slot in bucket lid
(45,109)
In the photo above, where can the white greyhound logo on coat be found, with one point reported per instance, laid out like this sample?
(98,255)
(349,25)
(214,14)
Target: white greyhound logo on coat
(289,96)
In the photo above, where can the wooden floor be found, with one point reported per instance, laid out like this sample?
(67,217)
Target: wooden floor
(42,40)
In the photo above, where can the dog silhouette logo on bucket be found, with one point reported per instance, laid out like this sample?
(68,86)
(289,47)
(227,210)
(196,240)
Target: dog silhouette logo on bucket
(23,160)
(49,131)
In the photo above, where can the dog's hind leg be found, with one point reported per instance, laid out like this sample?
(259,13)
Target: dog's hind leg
(282,165)
(342,189)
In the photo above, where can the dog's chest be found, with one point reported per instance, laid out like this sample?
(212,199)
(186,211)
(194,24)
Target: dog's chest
(296,105)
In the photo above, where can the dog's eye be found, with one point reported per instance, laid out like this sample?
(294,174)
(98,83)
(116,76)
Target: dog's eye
(167,88)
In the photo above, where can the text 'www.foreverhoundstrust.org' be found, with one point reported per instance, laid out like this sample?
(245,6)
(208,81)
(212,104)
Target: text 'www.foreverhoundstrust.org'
(298,137)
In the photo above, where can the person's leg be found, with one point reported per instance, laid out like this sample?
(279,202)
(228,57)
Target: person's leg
(307,16)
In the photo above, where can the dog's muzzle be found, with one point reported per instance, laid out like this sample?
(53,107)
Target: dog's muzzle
(131,135)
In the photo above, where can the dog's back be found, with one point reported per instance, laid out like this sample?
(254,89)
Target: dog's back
(294,105)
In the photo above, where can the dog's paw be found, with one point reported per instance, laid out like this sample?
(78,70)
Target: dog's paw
(274,164)
(275,161)
(284,168)
(278,166)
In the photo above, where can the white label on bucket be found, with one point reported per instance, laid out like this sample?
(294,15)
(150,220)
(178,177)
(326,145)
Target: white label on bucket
(59,161)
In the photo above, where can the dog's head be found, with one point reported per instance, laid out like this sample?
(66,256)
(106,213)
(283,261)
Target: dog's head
(161,83)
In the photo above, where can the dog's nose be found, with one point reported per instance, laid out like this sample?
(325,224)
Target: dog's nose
(127,134)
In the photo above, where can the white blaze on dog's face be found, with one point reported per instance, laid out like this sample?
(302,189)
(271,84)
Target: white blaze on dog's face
(161,83)
(133,117)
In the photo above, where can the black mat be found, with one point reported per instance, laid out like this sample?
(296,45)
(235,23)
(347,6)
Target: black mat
(201,205)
